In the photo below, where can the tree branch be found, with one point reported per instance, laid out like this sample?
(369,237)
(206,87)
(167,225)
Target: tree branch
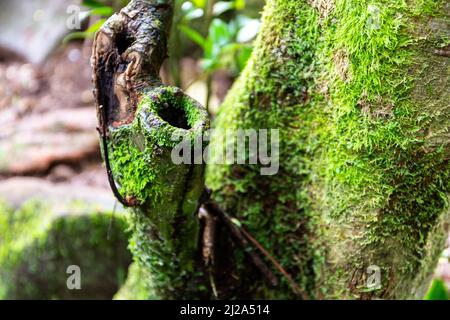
(139,119)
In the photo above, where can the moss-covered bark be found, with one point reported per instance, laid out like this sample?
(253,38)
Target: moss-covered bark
(141,122)
(359,92)
(360,95)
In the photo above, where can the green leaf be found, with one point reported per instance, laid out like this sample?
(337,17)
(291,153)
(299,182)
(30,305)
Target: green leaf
(239,4)
(243,56)
(193,35)
(97,25)
(437,291)
(249,30)
(231,48)
(98,8)
(236,222)
(190,12)
(208,65)
(200,3)
(77,35)
(219,33)
(92,4)
(103,11)
(194,14)
(222,6)
(88,34)
(219,36)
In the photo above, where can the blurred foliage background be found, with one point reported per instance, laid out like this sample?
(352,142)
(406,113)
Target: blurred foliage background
(219,34)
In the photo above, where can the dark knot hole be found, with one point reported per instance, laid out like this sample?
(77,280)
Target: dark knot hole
(123,41)
(174,115)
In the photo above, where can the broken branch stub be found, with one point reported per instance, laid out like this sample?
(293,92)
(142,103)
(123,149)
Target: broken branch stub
(129,50)
(140,123)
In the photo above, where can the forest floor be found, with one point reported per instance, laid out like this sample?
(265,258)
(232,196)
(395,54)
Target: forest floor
(48,126)
(48,137)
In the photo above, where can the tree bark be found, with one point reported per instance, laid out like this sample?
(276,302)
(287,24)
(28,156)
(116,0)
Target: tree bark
(359,92)
(362,103)
(138,120)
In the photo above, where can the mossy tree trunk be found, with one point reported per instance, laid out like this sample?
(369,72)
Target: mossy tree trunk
(359,92)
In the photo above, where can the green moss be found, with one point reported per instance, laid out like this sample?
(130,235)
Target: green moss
(361,182)
(37,246)
(141,156)
(137,177)
(274,92)
(165,226)
(381,185)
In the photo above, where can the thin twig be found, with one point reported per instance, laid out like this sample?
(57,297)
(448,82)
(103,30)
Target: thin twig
(104,136)
(111,219)
(277,265)
(209,236)
(443,52)
(242,236)
(213,284)
(242,241)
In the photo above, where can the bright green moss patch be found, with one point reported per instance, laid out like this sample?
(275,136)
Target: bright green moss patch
(359,97)
(135,173)
(36,248)
(371,114)
(375,168)
(141,151)
(274,93)
(167,260)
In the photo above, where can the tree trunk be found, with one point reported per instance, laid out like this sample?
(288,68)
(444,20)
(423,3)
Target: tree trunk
(359,206)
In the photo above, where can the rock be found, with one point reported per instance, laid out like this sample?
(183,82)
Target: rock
(17,191)
(61,173)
